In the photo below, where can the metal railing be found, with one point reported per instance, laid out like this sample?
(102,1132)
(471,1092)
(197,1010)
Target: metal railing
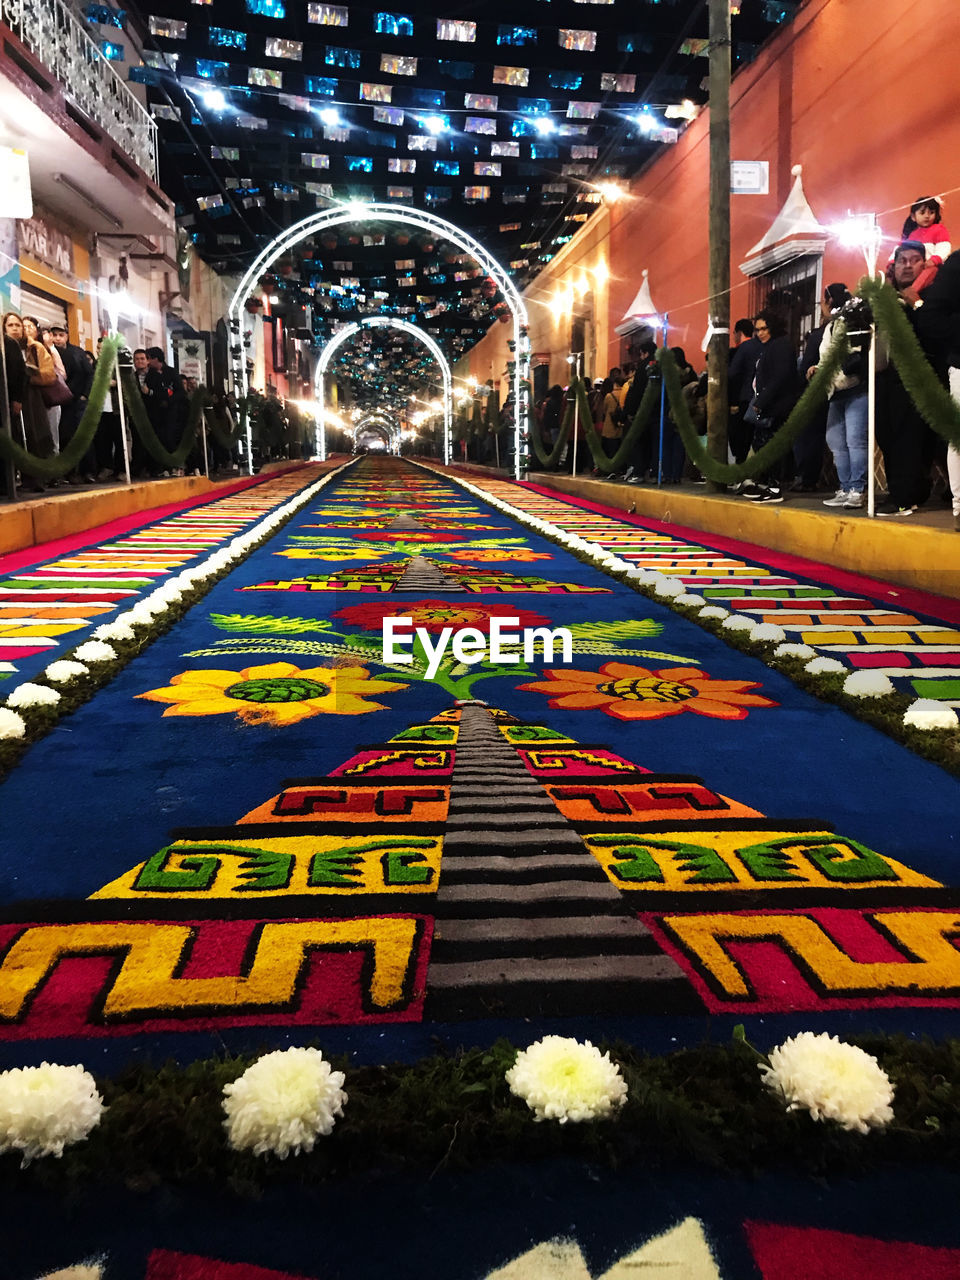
(61,43)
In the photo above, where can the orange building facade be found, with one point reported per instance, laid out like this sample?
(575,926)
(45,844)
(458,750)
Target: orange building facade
(862,94)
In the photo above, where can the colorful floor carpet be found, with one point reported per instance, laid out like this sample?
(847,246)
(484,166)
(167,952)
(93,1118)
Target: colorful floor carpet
(263,833)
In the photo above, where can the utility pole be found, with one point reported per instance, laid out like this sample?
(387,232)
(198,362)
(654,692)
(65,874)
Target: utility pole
(719,277)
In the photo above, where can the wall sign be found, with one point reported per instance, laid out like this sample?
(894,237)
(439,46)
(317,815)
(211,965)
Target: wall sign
(45,242)
(750,177)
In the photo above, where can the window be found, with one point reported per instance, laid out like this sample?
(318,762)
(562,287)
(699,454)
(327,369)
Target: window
(794,290)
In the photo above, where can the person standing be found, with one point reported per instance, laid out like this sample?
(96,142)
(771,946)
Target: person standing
(40,371)
(13,389)
(740,375)
(78,376)
(775,394)
(938,329)
(847,430)
(165,401)
(610,427)
(808,448)
(901,431)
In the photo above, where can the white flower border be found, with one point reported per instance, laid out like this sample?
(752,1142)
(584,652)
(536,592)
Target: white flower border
(150,614)
(765,641)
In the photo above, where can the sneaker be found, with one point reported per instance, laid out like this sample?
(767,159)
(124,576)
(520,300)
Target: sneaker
(854,498)
(769,495)
(839,499)
(891,509)
(749,490)
(628,473)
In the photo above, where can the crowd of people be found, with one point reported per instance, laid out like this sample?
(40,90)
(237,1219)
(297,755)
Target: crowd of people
(49,379)
(767,375)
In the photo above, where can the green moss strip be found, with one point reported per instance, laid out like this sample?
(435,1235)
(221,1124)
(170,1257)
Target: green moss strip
(698,1107)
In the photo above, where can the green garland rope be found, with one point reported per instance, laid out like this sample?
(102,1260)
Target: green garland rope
(550,461)
(70,457)
(775,448)
(226,439)
(137,413)
(934,402)
(641,420)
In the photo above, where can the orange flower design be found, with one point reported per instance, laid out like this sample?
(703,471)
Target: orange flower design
(498,554)
(636,693)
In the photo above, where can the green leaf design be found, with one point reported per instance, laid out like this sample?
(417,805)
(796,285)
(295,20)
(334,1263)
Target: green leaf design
(267,624)
(627,629)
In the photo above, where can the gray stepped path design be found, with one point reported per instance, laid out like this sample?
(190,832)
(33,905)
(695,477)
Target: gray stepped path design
(526,921)
(421,575)
(404,521)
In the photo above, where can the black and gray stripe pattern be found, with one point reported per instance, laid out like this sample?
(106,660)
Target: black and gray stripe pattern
(526,920)
(422,574)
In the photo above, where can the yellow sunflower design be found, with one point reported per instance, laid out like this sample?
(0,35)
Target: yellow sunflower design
(275,694)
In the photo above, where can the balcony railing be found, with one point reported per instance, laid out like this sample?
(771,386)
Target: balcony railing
(61,43)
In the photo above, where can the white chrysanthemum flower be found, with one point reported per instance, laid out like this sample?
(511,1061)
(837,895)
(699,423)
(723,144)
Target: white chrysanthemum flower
(12,726)
(44,1109)
(564,1079)
(868,684)
(115,630)
(824,666)
(926,713)
(832,1080)
(794,651)
(95,651)
(768,633)
(690,601)
(33,695)
(139,615)
(738,622)
(713,611)
(283,1102)
(667,588)
(63,671)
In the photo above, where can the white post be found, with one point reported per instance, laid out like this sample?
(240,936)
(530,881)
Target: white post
(203,436)
(872,256)
(249,434)
(578,357)
(871,421)
(123,416)
(322,417)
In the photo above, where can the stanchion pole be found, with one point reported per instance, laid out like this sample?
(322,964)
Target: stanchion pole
(6,420)
(203,436)
(872,421)
(123,415)
(663,407)
(575,360)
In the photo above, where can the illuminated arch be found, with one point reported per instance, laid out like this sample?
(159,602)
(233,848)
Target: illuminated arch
(381,423)
(362,212)
(381,322)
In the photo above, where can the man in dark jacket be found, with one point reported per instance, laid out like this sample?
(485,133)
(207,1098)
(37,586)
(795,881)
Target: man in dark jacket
(902,433)
(164,399)
(79,377)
